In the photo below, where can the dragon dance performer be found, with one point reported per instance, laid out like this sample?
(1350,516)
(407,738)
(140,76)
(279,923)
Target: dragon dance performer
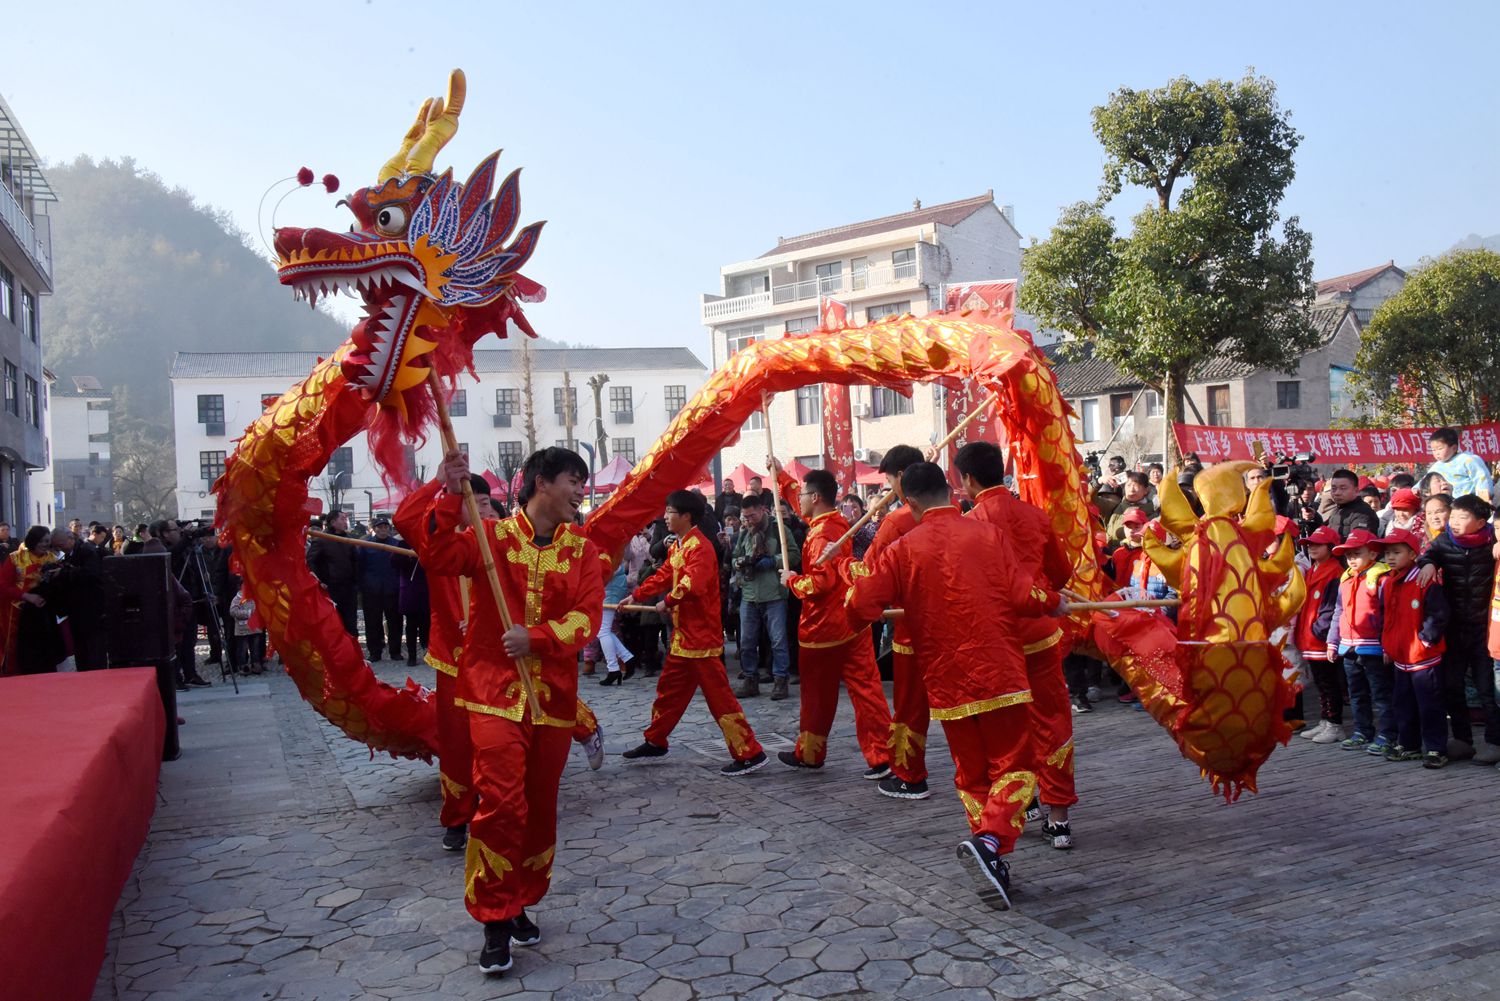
(449,597)
(690,578)
(956,577)
(1039,556)
(831,647)
(549,569)
(909,711)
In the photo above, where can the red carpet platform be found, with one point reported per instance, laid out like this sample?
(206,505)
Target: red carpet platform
(79,755)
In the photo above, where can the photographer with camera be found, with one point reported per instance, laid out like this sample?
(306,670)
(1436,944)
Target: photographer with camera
(757,569)
(166,537)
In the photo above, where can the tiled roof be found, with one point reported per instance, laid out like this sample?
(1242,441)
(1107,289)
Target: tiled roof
(948,214)
(1349,283)
(1090,375)
(290,364)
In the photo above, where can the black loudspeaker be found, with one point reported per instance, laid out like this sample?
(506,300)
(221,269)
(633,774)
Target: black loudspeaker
(138,607)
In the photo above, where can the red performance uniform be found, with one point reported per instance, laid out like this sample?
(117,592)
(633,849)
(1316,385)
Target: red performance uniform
(831,648)
(1039,556)
(444,650)
(690,578)
(909,711)
(555,589)
(957,580)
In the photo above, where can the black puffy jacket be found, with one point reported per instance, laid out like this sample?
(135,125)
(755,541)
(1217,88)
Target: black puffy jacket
(1468,577)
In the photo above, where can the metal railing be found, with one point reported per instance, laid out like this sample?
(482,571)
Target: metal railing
(871,279)
(20,224)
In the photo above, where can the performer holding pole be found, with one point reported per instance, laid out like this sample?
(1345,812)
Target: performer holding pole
(908,739)
(557,576)
(1039,556)
(952,570)
(690,580)
(831,648)
(765,412)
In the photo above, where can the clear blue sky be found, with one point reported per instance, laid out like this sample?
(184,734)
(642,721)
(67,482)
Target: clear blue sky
(662,141)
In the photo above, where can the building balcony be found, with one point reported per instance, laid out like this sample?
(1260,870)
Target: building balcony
(877,280)
(35,242)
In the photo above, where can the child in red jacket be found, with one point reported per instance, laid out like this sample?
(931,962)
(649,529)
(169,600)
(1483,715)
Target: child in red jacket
(1411,637)
(1354,640)
(1310,635)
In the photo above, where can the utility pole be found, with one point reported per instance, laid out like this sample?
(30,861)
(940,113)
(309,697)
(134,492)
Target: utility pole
(596,383)
(528,396)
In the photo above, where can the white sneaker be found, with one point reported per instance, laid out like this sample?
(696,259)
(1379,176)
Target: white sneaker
(594,748)
(1332,735)
(1314,731)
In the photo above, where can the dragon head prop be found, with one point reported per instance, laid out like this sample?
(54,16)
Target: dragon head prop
(433,261)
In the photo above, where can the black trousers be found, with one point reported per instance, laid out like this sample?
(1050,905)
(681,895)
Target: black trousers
(382,622)
(346,600)
(1468,660)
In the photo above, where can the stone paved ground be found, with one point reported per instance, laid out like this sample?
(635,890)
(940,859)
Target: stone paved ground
(285,863)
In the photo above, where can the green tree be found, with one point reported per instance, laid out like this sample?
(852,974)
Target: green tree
(1431,354)
(1201,274)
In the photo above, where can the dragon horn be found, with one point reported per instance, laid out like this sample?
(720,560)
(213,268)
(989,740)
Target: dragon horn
(396,165)
(1176,513)
(1221,488)
(442,125)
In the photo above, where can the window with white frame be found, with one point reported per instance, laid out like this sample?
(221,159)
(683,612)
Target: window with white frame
(859,273)
(7,294)
(676,397)
(1088,411)
(809,405)
(830,276)
(1153,403)
(624,448)
(884,310)
(741,336)
(904,263)
(888,403)
(801,324)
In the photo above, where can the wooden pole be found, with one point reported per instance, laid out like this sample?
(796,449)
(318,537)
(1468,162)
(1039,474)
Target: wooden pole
(486,554)
(765,410)
(880,504)
(622,606)
(937,450)
(1112,606)
(367,543)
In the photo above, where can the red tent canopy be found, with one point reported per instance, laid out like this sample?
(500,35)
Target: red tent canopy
(867,475)
(796,470)
(740,477)
(612,475)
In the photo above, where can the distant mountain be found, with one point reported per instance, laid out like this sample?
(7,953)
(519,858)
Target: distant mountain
(1474,242)
(143,271)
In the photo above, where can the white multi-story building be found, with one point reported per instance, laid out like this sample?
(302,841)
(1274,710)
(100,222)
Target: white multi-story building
(215,396)
(883,267)
(78,481)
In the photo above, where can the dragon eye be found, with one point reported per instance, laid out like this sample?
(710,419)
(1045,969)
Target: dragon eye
(391,220)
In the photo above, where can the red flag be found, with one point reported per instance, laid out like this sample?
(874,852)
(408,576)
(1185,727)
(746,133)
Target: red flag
(838,434)
(832,315)
(985,297)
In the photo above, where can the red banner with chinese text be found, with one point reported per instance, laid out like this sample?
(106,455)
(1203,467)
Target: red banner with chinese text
(1362,446)
(957,404)
(838,434)
(996,296)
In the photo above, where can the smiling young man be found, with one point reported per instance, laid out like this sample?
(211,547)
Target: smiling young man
(689,583)
(553,580)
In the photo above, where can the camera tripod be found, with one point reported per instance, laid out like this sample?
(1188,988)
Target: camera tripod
(227,669)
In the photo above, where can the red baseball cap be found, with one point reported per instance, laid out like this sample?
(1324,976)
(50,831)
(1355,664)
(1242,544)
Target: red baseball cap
(1404,537)
(1358,538)
(1406,499)
(1284,525)
(1322,536)
(1135,516)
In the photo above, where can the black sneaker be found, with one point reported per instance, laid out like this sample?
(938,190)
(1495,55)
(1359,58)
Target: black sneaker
(745,767)
(646,750)
(876,772)
(455,838)
(1034,811)
(523,931)
(198,681)
(1434,759)
(1061,834)
(1082,705)
(790,759)
(495,956)
(901,789)
(992,870)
